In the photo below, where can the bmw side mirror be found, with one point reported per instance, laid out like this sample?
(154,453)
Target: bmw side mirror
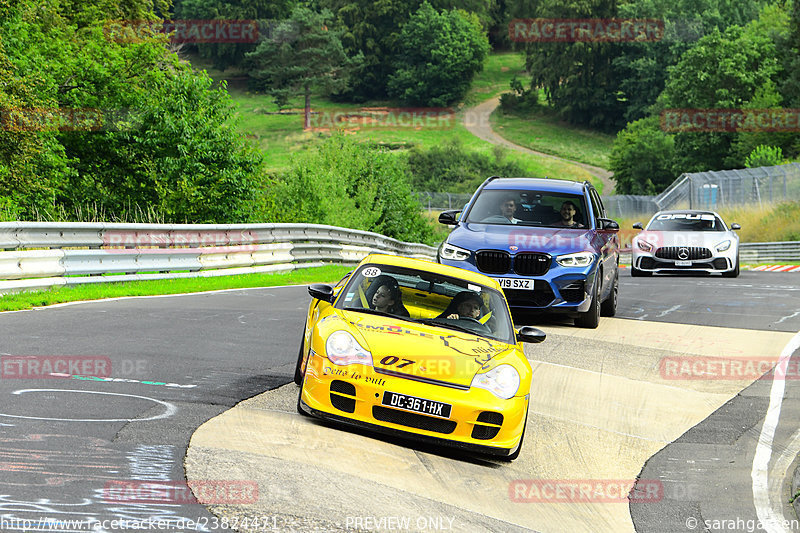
(608,224)
(637,225)
(449,217)
(530,334)
(735,226)
(320,291)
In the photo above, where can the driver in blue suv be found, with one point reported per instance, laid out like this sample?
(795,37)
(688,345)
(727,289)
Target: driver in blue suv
(552,259)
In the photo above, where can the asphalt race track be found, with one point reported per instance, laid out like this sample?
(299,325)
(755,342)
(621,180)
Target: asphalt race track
(608,406)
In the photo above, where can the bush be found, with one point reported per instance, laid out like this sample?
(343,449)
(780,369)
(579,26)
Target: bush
(764,156)
(521,100)
(642,158)
(438,55)
(450,168)
(347,184)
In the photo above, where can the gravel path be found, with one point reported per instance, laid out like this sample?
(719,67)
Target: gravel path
(476,120)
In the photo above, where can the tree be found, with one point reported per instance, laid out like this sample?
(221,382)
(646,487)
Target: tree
(642,158)
(723,70)
(348,184)
(642,67)
(305,54)
(577,77)
(438,55)
(266,12)
(158,136)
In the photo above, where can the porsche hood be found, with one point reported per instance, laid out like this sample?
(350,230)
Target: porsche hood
(425,352)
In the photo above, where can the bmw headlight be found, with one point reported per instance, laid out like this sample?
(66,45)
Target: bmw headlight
(343,349)
(644,245)
(581,259)
(453,253)
(724,245)
(502,381)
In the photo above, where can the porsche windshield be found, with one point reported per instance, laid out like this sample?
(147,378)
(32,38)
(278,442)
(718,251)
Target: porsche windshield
(686,222)
(530,208)
(428,298)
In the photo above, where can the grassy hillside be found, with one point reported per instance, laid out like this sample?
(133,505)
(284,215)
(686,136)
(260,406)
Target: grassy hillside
(280,134)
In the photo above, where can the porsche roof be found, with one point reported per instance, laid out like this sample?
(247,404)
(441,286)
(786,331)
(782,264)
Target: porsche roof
(430,266)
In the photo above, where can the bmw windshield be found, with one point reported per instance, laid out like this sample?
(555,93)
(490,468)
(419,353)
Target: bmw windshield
(529,208)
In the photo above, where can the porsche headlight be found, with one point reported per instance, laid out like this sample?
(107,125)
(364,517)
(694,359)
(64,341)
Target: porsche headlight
(453,253)
(502,381)
(644,245)
(724,245)
(581,259)
(343,349)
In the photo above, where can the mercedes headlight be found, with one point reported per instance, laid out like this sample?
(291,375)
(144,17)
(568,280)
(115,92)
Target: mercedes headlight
(453,253)
(581,259)
(502,381)
(644,245)
(343,349)
(724,245)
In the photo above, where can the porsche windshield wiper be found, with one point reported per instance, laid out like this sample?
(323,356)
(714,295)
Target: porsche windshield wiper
(448,325)
(375,312)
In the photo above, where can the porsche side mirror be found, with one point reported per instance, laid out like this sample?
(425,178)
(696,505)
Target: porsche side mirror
(637,225)
(449,217)
(320,291)
(530,334)
(735,226)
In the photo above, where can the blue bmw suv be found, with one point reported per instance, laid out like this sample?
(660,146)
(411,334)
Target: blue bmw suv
(548,242)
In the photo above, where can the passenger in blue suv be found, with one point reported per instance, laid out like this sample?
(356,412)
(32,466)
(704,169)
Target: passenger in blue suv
(560,254)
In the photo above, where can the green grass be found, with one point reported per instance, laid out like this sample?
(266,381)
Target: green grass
(281,137)
(495,78)
(29,299)
(541,130)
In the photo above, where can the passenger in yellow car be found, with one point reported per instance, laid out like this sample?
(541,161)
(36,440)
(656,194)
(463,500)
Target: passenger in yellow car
(384,295)
(465,304)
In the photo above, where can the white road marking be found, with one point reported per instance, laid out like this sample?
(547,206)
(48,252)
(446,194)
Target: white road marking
(668,311)
(170,409)
(772,519)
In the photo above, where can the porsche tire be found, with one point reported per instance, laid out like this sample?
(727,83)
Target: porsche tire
(298,370)
(513,455)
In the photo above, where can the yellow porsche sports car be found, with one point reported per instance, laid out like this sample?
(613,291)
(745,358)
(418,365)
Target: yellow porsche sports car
(420,350)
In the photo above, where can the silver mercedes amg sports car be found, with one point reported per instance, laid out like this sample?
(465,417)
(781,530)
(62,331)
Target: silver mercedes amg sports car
(686,240)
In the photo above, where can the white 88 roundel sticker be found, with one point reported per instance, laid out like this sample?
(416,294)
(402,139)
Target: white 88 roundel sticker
(371,272)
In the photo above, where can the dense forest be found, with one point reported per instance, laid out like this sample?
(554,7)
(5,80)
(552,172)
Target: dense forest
(104,117)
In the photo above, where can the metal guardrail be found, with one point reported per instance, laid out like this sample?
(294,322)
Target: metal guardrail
(769,252)
(43,254)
